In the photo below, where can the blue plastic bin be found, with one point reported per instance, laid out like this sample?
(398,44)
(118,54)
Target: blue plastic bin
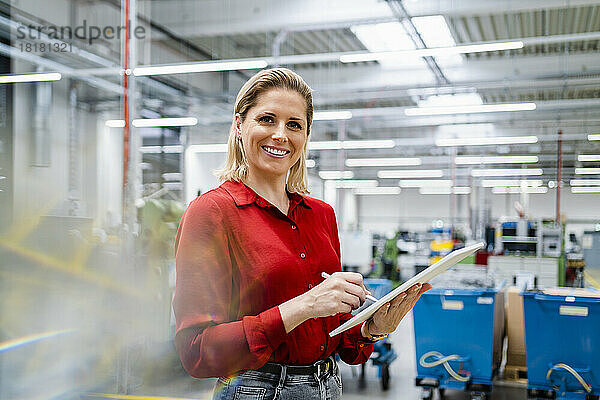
(467,324)
(562,330)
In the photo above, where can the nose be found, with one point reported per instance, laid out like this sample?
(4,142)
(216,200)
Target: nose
(279,133)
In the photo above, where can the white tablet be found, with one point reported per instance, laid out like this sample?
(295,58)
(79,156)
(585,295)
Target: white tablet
(425,276)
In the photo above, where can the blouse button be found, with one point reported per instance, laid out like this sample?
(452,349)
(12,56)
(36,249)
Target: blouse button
(293,227)
(310,286)
(302,255)
(322,347)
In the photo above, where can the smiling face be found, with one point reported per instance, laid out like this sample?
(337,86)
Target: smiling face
(273,133)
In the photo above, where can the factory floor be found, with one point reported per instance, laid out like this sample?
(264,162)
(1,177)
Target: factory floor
(402,381)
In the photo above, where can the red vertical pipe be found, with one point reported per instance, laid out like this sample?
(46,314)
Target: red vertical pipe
(126,99)
(559,176)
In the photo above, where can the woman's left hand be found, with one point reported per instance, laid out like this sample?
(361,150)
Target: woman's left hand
(387,318)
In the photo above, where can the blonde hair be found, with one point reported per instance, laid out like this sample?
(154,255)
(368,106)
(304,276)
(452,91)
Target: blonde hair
(236,165)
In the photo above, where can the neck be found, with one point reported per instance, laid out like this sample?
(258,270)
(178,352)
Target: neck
(271,188)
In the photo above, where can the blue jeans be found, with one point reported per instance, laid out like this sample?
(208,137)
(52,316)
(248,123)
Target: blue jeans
(257,385)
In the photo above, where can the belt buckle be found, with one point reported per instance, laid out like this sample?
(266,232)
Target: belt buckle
(322,368)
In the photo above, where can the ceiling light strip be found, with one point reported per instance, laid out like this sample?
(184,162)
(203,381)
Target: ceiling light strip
(351,144)
(474,160)
(383,162)
(484,141)
(431,52)
(483,108)
(587,171)
(336,174)
(200,67)
(515,190)
(584,182)
(24,78)
(506,172)
(331,115)
(588,157)
(418,183)
(379,190)
(510,182)
(415,173)
(587,189)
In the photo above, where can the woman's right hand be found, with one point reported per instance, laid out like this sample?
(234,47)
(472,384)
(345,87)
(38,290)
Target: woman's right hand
(342,292)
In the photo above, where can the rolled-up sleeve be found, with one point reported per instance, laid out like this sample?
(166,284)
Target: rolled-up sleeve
(209,343)
(353,348)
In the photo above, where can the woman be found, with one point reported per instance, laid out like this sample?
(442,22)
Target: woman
(250,302)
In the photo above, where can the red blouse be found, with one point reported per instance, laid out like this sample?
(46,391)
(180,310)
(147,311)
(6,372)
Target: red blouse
(238,258)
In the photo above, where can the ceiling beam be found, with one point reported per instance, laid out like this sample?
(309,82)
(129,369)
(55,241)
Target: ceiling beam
(218,17)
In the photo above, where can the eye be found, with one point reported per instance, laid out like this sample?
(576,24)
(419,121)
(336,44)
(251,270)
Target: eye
(294,125)
(266,118)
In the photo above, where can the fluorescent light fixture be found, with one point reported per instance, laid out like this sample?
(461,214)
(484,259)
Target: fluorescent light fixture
(510,182)
(418,183)
(154,122)
(310,163)
(444,190)
(172,176)
(451,100)
(431,52)
(584,182)
(387,37)
(325,145)
(115,123)
(353,184)
(368,144)
(200,67)
(587,171)
(174,148)
(351,144)
(382,162)
(585,189)
(150,149)
(473,160)
(22,78)
(377,190)
(594,136)
(336,174)
(411,173)
(588,157)
(461,190)
(506,172)
(484,108)
(331,115)
(208,148)
(435,32)
(512,190)
(483,141)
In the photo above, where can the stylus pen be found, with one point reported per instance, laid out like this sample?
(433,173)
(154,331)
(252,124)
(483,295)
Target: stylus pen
(326,275)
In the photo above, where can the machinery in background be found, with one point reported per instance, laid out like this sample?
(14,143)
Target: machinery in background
(540,238)
(590,245)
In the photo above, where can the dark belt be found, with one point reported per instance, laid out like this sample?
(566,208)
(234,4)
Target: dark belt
(320,368)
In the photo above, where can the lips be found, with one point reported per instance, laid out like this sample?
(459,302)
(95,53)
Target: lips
(275,152)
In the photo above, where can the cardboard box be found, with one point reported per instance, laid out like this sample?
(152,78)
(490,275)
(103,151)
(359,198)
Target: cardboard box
(515,328)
